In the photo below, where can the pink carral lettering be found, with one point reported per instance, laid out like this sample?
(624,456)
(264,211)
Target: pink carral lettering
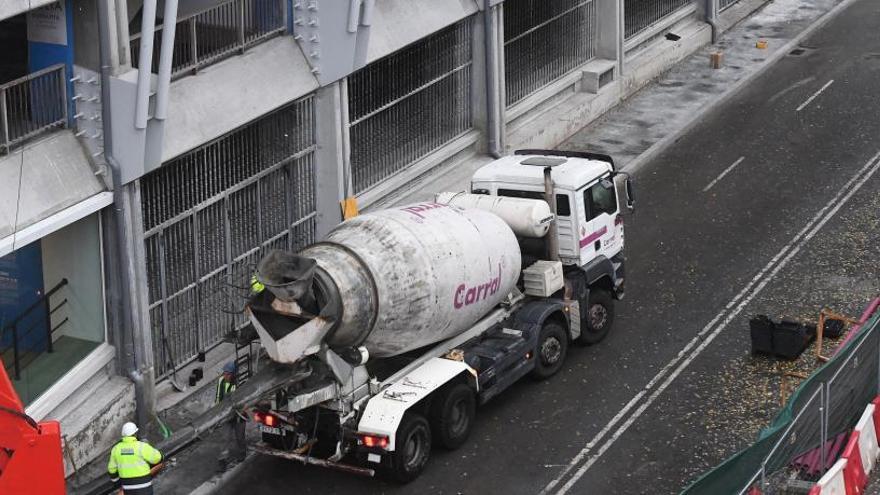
(465,296)
(418,209)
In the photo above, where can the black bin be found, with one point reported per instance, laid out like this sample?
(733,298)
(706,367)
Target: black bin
(761,329)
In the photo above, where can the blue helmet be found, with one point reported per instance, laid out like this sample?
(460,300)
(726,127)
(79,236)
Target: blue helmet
(229,367)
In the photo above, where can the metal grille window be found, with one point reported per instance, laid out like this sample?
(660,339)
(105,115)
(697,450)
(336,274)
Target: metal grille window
(723,4)
(208,218)
(32,105)
(639,15)
(410,103)
(543,41)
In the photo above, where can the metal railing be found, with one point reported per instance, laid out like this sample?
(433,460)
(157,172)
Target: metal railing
(15,338)
(723,4)
(543,41)
(640,15)
(32,105)
(206,37)
(410,103)
(208,218)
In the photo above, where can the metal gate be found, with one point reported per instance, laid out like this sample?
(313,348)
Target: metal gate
(410,103)
(640,15)
(543,41)
(211,214)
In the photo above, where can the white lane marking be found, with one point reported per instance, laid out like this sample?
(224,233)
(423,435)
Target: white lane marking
(791,88)
(722,174)
(759,282)
(813,96)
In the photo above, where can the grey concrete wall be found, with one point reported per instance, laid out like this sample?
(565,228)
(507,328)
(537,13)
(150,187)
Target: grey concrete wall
(74,253)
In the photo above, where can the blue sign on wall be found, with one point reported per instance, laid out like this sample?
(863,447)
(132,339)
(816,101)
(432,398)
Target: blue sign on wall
(21,285)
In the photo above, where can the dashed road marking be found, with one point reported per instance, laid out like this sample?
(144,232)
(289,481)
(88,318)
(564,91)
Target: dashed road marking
(722,174)
(814,95)
(692,350)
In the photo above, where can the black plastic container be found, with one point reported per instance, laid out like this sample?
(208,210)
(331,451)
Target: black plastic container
(761,329)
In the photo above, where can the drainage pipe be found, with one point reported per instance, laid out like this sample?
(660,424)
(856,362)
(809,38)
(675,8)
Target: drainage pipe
(711,18)
(116,253)
(553,233)
(169,26)
(492,103)
(145,64)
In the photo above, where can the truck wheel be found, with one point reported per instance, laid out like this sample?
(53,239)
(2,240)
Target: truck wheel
(597,319)
(413,448)
(452,415)
(551,350)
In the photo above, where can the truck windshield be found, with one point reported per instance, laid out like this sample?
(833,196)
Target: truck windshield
(562,206)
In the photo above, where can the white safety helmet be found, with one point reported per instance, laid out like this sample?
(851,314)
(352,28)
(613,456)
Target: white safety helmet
(129,429)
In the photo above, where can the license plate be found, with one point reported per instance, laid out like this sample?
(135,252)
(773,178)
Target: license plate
(270,429)
(374,458)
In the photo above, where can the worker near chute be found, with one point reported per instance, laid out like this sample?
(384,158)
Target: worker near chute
(226,383)
(132,461)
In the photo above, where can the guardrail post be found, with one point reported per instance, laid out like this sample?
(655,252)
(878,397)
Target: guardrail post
(47,309)
(194,44)
(241,25)
(4,120)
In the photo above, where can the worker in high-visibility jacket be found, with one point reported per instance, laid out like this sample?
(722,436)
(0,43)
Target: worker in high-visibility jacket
(131,461)
(226,383)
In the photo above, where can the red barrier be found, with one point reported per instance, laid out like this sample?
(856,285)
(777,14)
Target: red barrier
(854,473)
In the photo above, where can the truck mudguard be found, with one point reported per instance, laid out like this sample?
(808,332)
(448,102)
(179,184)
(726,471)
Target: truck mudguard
(599,267)
(385,410)
(536,312)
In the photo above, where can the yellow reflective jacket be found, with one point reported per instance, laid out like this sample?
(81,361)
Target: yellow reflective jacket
(131,458)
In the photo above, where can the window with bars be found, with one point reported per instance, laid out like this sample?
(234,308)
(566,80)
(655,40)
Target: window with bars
(210,215)
(410,103)
(543,41)
(640,15)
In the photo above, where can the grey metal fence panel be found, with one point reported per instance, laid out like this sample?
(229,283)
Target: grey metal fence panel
(205,37)
(854,384)
(723,4)
(640,15)
(32,105)
(543,41)
(804,434)
(410,103)
(208,218)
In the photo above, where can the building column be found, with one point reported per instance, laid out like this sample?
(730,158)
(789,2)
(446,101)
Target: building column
(488,76)
(332,183)
(609,39)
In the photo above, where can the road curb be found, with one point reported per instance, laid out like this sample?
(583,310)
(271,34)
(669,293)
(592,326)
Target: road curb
(655,149)
(213,484)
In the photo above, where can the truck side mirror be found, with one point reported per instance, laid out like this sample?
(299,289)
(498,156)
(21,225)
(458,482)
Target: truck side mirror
(624,185)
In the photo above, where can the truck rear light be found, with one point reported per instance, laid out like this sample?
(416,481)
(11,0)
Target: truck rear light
(374,441)
(618,220)
(265,418)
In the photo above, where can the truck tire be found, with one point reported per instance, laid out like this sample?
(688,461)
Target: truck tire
(550,351)
(452,415)
(597,319)
(413,448)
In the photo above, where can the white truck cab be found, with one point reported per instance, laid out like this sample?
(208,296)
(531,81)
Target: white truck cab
(588,212)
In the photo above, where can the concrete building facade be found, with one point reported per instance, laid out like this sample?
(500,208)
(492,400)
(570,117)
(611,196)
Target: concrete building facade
(154,150)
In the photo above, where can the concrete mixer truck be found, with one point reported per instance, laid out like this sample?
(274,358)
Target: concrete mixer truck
(402,321)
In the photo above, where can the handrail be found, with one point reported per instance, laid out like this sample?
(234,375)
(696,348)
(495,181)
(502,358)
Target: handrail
(43,301)
(197,42)
(36,303)
(32,75)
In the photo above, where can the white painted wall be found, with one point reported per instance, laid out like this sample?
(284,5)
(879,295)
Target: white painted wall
(74,252)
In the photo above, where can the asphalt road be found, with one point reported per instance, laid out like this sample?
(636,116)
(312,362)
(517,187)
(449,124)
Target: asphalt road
(692,248)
